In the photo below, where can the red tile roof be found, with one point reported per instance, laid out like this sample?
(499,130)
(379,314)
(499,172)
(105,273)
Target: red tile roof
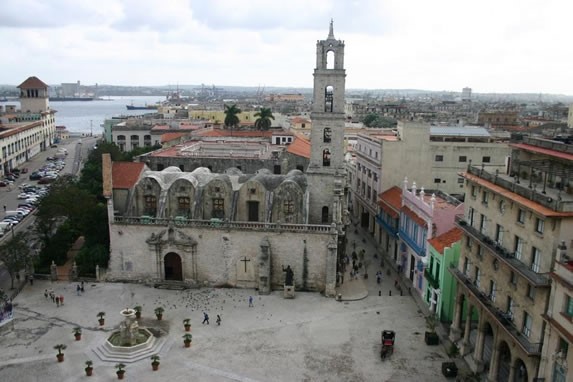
(418,220)
(541,150)
(32,83)
(527,203)
(391,201)
(235,133)
(126,174)
(171,136)
(299,146)
(446,239)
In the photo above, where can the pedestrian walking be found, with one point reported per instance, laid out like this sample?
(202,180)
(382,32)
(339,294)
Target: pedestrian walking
(31,278)
(57,301)
(46,293)
(61,299)
(378,277)
(251,301)
(78,289)
(341,277)
(52,296)
(205,318)
(82,287)
(218,320)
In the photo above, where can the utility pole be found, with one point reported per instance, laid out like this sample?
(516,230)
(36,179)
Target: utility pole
(91,128)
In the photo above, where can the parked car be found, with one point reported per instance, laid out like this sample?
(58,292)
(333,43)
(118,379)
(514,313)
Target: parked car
(3,183)
(24,170)
(35,176)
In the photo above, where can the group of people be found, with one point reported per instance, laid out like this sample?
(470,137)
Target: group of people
(218,321)
(57,299)
(80,289)
(206,319)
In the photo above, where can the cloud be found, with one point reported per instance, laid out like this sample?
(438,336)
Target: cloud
(509,46)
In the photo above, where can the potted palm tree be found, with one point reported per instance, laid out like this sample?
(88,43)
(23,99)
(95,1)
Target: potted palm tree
(120,370)
(60,355)
(159,312)
(155,362)
(101,318)
(187,337)
(187,324)
(138,310)
(430,336)
(78,333)
(89,369)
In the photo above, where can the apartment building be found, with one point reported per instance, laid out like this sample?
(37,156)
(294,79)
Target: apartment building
(512,225)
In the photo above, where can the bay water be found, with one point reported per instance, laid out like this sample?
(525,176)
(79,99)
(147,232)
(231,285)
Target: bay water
(87,117)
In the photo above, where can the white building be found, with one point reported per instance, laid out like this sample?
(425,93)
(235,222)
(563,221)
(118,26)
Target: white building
(26,132)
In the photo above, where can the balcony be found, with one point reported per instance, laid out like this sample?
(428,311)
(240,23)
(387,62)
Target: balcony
(390,228)
(432,281)
(536,279)
(550,197)
(502,319)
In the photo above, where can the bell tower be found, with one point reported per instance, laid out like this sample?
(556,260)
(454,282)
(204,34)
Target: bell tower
(326,173)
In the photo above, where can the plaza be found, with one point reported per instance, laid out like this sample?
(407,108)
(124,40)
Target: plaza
(308,338)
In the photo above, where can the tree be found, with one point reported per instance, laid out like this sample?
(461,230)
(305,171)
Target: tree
(231,119)
(263,121)
(15,254)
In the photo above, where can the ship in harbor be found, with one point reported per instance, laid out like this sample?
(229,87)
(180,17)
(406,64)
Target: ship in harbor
(144,107)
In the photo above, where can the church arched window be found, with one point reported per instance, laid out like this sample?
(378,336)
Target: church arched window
(326,157)
(324,218)
(329,99)
(327,135)
(150,206)
(330,59)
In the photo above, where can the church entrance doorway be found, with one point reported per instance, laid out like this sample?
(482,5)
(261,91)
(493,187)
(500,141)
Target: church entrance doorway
(173,268)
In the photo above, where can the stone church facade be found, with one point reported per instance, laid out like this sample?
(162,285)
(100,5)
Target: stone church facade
(236,229)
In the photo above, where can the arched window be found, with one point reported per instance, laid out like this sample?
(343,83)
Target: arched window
(328,99)
(324,218)
(326,157)
(330,59)
(150,207)
(327,135)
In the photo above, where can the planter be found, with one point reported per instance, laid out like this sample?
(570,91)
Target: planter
(60,357)
(431,338)
(449,369)
(187,328)
(155,366)
(187,344)
(159,317)
(89,371)
(101,321)
(120,374)
(138,315)
(78,337)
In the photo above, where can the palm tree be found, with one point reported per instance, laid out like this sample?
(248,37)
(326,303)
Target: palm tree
(231,119)
(263,121)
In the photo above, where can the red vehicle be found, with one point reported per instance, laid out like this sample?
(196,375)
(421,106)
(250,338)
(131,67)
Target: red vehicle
(388,338)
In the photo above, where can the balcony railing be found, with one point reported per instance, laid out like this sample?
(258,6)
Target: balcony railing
(536,279)
(434,282)
(503,319)
(552,198)
(217,223)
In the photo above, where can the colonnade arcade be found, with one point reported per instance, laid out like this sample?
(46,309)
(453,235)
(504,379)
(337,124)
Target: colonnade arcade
(484,344)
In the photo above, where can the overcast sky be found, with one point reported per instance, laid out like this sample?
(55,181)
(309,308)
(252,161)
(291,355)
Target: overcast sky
(488,45)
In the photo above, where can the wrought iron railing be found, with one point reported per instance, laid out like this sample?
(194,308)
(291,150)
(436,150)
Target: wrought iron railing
(504,319)
(501,253)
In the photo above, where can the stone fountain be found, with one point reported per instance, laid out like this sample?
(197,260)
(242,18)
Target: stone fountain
(130,343)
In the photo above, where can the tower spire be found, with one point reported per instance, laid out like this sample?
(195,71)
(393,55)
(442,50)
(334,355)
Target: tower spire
(331,31)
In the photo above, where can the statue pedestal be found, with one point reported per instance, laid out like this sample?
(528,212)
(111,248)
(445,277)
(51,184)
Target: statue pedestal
(288,291)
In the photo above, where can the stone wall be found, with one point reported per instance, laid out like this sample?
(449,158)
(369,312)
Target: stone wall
(215,256)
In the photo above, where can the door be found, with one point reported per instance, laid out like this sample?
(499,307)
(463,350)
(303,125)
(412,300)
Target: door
(173,268)
(412,266)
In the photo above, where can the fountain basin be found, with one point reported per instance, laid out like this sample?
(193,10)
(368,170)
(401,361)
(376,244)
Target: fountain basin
(143,338)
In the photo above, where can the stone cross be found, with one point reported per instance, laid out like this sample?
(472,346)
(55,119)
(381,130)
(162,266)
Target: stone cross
(245,261)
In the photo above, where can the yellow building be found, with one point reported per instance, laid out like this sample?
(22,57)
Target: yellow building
(218,116)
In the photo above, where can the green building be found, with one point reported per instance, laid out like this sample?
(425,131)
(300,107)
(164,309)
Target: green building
(441,287)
